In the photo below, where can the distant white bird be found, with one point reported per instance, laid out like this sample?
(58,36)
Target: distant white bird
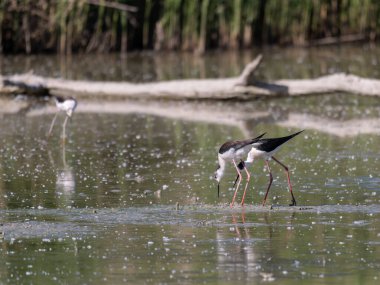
(66,105)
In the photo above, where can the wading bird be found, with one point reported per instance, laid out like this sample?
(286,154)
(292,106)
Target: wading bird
(66,105)
(232,151)
(266,148)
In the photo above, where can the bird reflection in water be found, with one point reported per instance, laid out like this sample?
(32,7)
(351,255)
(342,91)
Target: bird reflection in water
(236,254)
(65,183)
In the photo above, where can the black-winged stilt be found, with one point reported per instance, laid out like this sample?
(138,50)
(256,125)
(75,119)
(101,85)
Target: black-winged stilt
(231,151)
(66,105)
(266,148)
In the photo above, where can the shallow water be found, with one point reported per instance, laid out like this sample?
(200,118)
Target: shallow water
(362,60)
(129,197)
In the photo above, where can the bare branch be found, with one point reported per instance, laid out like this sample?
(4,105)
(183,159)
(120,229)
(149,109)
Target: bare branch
(248,71)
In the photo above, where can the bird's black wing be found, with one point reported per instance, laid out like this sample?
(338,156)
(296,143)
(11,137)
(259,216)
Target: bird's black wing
(238,144)
(271,144)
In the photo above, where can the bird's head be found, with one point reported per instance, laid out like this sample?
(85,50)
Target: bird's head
(59,99)
(218,176)
(218,173)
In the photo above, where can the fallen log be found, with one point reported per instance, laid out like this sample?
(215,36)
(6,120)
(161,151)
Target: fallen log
(241,87)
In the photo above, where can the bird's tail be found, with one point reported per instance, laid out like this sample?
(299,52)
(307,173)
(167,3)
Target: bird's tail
(257,138)
(282,140)
(295,134)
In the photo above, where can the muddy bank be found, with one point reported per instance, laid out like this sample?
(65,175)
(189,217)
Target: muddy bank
(79,222)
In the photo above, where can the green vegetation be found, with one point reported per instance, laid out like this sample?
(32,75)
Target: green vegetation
(67,26)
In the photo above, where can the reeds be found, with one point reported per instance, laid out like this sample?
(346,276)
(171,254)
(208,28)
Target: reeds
(67,26)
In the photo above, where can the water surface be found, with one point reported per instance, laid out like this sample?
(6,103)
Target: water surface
(129,196)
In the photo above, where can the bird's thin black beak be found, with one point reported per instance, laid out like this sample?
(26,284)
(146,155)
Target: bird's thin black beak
(218,190)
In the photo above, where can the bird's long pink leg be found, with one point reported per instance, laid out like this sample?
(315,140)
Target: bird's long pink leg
(294,203)
(246,185)
(64,128)
(270,181)
(52,124)
(238,184)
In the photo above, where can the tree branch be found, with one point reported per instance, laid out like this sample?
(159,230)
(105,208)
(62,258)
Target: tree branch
(248,71)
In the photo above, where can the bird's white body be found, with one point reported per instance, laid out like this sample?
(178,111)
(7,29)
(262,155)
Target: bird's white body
(235,154)
(232,151)
(67,106)
(255,153)
(231,154)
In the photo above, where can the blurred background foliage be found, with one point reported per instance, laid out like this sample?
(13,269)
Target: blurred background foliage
(69,26)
